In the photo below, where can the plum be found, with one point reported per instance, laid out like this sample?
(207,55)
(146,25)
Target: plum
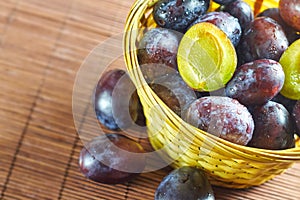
(221,116)
(264,38)
(224,21)
(185,183)
(273,127)
(173,91)
(296,116)
(256,82)
(178,14)
(116,102)
(240,10)
(290,12)
(111,159)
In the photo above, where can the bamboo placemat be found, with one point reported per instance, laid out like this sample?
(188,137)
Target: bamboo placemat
(42,46)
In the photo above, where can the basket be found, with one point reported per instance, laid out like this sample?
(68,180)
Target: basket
(227,164)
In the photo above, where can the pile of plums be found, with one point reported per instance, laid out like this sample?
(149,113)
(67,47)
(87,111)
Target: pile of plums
(249,110)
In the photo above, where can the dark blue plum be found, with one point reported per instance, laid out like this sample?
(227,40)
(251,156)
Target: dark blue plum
(185,183)
(241,10)
(224,2)
(116,102)
(178,14)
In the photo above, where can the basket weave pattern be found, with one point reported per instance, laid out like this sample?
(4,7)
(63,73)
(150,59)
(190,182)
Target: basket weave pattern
(227,164)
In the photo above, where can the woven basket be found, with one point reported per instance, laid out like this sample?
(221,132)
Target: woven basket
(227,164)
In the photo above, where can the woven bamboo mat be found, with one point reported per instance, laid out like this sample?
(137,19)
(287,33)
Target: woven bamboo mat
(42,46)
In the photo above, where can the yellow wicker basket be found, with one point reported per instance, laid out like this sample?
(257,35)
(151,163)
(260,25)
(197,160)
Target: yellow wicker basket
(227,164)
